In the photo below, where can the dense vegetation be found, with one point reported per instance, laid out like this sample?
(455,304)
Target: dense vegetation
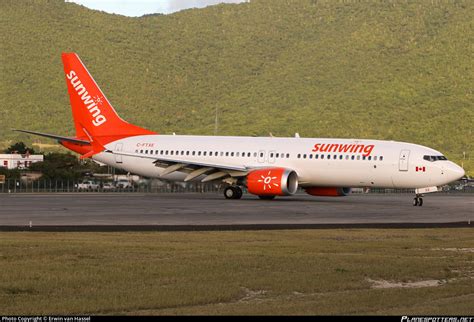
(19,147)
(398,70)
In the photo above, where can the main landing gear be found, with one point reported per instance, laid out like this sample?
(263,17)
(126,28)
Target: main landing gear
(233,192)
(418,200)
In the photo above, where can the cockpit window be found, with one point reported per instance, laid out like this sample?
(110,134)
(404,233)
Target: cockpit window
(433,158)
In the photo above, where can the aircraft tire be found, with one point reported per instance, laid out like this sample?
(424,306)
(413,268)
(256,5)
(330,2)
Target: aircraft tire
(415,201)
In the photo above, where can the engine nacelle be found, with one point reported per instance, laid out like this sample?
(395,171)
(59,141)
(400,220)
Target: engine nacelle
(328,191)
(272,182)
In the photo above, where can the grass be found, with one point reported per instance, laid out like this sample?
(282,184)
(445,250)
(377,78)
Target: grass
(250,272)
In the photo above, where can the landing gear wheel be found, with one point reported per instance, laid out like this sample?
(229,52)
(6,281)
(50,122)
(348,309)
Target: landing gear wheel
(267,197)
(232,192)
(239,192)
(418,201)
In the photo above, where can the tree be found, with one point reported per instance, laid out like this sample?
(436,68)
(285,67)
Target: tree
(20,148)
(62,166)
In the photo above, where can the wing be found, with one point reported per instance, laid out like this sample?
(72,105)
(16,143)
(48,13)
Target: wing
(212,171)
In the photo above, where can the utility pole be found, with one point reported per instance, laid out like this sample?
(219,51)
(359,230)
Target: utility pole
(215,124)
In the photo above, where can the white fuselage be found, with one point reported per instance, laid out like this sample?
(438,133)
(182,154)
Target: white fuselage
(344,163)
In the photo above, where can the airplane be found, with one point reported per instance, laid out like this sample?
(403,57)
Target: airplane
(265,166)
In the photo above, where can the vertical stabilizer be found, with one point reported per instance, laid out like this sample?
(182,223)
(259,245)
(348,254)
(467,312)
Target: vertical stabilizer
(94,117)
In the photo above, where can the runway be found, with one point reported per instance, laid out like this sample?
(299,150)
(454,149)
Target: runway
(171,211)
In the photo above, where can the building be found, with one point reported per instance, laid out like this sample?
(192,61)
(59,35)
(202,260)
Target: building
(19,161)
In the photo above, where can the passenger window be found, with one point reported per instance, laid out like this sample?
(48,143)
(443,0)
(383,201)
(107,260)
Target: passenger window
(199,153)
(358,157)
(322,156)
(381,158)
(370,157)
(261,155)
(304,156)
(375,158)
(340,157)
(237,154)
(194,152)
(187,152)
(166,152)
(334,157)
(316,156)
(271,155)
(364,157)
(353,157)
(171,152)
(287,155)
(276,155)
(299,156)
(255,154)
(141,151)
(227,154)
(248,154)
(310,156)
(204,153)
(347,156)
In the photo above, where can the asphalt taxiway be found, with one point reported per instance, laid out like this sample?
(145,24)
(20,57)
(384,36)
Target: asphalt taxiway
(212,210)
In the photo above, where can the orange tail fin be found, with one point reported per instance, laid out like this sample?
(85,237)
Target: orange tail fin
(94,117)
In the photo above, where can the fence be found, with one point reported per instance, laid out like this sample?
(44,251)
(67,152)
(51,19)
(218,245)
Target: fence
(51,186)
(157,186)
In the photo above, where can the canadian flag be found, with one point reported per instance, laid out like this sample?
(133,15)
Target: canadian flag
(420,169)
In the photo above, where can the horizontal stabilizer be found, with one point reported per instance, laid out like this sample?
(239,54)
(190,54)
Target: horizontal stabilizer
(56,137)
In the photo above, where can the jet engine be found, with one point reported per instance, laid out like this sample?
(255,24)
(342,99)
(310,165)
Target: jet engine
(272,182)
(328,191)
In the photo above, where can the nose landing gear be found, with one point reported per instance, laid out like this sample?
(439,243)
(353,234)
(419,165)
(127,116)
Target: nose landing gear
(418,200)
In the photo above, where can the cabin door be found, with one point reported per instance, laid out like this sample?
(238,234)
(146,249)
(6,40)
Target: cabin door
(403,161)
(118,148)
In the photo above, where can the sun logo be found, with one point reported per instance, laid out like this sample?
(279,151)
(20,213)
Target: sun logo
(267,181)
(98,100)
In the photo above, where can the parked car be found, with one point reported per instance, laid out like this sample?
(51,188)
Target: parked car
(123,184)
(108,186)
(87,185)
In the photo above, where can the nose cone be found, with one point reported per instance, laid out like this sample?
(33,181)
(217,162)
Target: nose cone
(454,172)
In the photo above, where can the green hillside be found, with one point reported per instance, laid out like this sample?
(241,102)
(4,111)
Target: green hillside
(400,70)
